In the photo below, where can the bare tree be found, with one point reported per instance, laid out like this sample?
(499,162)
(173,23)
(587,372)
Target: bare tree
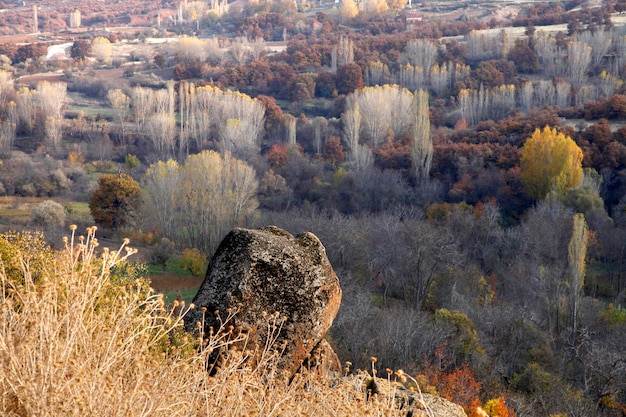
(482,46)
(421,53)
(472,104)
(563,91)
(618,49)
(240,51)
(250,113)
(345,51)
(214,52)
(8,126)
(411,77)
(142,99)
(52,98)
(551,57)
(578,60)
(7,134)
(377,73)
(160,129)
(577,254)
(319,127)
(161,187)
(257,47)
(351,119)
(204,104)
(6,86)
(383,108)
(599,41)
(27,107)
(54,132)
(586,93)
(361,159)
(120,103)
(290,128)
(501,101)
(608,84)
(440,79)
(233,140)
(525,96)
(544,93)
(185,95)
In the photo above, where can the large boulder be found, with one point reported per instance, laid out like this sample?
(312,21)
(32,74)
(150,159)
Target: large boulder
(261,272)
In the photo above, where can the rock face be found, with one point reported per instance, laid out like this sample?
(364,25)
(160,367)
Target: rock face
(414,403)
(264,271)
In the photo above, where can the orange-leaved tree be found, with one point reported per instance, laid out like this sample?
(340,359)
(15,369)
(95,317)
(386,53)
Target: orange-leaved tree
(497,408)
(550,162)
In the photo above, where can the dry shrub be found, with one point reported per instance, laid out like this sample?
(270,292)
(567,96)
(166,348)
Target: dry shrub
(80,335)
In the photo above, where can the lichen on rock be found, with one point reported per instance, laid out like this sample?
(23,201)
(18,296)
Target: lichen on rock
(266,271)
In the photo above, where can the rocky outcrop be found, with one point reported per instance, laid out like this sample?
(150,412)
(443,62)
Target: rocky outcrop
(265,271)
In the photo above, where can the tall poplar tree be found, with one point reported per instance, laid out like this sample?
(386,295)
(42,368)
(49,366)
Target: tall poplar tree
(576,254)
(421,142)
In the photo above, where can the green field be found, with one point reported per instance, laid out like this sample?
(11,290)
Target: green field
(186,295)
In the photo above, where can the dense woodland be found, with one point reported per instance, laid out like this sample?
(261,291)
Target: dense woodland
(485,264)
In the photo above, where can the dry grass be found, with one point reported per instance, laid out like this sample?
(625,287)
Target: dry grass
(78,337)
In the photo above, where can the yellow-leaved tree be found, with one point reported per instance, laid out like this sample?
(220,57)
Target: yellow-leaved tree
(550,162)
(348,10)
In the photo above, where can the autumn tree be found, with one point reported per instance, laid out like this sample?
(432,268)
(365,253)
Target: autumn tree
(550,162)
(497,408)
(348,10)
(333,152)
(190,48)
(349,78)
(116,202)
(376,7)
(160,186)
(102,50)
(237,118)
(201,200)
(397,5)
(80,49)
(421,143)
